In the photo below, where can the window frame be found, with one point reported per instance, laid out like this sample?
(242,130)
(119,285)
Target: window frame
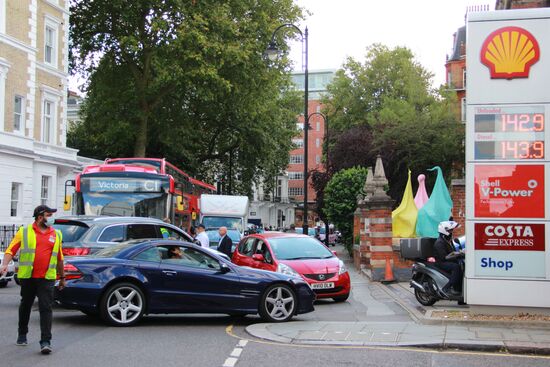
(53,25)
(135,257)
(294,157)
(50,129)
(109,226)
(22,115)
(45,189)
(181,264)
(296,176)
(151,226)
(18,200)
(299,189)
(298,143)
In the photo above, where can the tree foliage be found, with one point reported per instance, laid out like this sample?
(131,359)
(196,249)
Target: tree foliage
(185,80)
(385,106)
(341,199)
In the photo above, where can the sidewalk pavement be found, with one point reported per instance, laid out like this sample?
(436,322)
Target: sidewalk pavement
(393,317)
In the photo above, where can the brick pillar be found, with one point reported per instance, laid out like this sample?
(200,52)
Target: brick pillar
(458,196)
(375,223)
(361,248)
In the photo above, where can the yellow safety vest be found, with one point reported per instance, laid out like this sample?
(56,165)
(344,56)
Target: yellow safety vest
(27,252)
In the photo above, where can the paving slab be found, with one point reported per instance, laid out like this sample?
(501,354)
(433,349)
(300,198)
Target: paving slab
(384,336)
(389,315)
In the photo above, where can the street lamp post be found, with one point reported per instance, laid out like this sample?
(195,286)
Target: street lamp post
(272,52)
(325,122)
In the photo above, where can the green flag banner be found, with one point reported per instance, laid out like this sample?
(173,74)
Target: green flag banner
(437,209)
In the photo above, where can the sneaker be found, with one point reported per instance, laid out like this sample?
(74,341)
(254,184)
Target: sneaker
(21,341)
(45,347)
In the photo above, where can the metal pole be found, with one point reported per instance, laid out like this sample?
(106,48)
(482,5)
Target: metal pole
(306,134)
(328,142)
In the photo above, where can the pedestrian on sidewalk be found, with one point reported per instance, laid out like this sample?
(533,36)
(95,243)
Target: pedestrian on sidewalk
(202,237)
(40,261)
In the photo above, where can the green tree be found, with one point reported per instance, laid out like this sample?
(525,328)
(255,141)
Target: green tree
(185,80)
(385,106)
(341,199)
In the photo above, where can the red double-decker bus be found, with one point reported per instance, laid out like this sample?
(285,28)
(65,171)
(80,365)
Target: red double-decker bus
(141,187)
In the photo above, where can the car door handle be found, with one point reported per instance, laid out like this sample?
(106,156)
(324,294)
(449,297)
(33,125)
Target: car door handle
(169,272)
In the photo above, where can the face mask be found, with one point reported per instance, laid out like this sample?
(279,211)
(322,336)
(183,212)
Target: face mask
(49,221)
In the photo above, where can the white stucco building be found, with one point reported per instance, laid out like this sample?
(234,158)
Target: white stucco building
(272,208)
(34,159)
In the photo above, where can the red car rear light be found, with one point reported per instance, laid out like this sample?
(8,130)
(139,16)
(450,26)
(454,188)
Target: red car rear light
(76,251)
(71,272)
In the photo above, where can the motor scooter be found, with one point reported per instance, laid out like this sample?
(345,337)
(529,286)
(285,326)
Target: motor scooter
(428,280)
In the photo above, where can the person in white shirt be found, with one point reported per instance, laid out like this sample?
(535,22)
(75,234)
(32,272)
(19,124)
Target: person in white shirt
(202,237)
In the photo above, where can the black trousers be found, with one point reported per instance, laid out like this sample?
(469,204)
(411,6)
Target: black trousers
(455,280)
(30,289)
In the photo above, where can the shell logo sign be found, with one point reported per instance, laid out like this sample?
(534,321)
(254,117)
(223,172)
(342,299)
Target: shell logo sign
(510,52)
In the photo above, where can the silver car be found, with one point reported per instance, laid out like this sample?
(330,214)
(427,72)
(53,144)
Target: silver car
(4,279)
(84,235)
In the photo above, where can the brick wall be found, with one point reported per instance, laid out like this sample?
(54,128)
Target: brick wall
(458,196)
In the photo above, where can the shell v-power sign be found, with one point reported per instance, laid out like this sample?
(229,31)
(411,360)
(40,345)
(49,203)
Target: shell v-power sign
(507,163)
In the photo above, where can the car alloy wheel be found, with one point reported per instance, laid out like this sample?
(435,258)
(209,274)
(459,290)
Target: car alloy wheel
(278,303)
(123,304)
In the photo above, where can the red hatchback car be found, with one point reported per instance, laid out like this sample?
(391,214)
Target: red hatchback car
(298,255)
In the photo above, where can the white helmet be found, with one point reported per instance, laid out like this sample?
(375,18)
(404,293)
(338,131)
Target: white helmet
(446,227)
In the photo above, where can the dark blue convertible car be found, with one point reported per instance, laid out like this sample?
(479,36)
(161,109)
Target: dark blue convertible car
(126,281)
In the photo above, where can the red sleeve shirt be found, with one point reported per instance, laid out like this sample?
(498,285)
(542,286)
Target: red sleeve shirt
(44,247)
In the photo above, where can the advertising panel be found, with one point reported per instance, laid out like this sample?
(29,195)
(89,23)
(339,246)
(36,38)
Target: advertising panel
(510,264)
(123,185)
(509,236)
(509,191)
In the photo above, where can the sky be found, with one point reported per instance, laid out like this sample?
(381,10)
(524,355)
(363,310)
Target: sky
(342,28)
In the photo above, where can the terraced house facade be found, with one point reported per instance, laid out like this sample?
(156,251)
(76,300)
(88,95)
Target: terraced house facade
(34,159)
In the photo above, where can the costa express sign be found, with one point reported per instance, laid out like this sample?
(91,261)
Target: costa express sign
(510,52)
(509,191)
(509,236)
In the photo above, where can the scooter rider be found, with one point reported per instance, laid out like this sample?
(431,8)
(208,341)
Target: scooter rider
(447,258)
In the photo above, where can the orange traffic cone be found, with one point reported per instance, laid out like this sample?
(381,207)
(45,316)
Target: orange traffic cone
(388,275)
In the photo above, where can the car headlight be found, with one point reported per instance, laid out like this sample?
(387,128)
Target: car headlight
(287,270)
(341,268)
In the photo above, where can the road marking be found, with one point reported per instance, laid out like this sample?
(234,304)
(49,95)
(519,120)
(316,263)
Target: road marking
(236,352)
(230,362)
(229,331)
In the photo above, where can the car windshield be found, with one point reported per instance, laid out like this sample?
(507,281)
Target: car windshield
(125,204)
(214,236)
(297,248)
(310,231)
(112,251)
(217,222)
(71,232)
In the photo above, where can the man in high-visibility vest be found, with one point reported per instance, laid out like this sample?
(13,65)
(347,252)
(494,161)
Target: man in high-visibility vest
(40,261)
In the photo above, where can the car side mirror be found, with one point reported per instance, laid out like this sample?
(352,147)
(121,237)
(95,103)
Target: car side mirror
(334,253)
(258,257)
(224,268)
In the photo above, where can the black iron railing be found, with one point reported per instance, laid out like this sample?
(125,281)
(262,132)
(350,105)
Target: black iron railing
(7,232)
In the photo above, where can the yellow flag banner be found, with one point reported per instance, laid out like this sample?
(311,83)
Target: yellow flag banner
(404,217)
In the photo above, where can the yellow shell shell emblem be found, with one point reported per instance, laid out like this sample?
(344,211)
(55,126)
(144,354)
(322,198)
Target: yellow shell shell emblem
(510,52)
